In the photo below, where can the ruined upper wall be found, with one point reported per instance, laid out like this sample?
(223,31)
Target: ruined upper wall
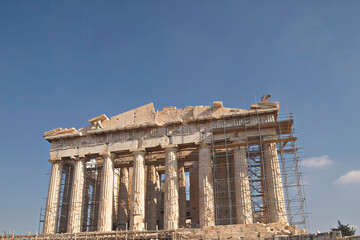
(147,116)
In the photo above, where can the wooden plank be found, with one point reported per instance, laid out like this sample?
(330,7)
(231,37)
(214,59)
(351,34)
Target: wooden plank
(252,142)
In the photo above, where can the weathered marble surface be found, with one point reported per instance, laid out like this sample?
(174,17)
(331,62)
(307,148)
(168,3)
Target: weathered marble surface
(53,198)
(137,210)
(206,188)
(171,190)
(143,128)
(244,212)
(76,199)
(106,194)
(274,188)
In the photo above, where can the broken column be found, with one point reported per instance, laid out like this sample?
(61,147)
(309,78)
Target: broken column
(206,189)
(52,203)
(106,194)
(76,199)
(275,200)
(123,208)
(171,189)
(151,198)
(137,210)
(182,197)
(242,187)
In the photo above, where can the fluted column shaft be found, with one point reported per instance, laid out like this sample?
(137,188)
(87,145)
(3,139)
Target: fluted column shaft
(76,199)
(171,190)
(137,211)
(151,198)
(274,188)
(53,197)
(206,189)
(106,194)
(123,208)
(242,187)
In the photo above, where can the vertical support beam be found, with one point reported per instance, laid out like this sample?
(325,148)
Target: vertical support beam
(65,198)
(206,188)
(160,196)
(76,199)
(106,194)
(274,188)
(171,190)
(131,171)
(85,211)
(194,195)
(151,198)
(123,209)
(96,194)
(53,197)
(242,187)
(182,197)
(116,195)
(137,211)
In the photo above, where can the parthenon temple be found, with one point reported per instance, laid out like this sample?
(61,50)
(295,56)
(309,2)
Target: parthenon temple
(200,167)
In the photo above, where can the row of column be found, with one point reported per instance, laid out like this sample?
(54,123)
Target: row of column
(173,218)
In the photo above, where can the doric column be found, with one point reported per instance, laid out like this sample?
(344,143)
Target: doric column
(242,187)
(76,199)
(151,198)
(171,190)
(137,211)
(53,197)
(123,209)
(182,197)
(273,184)
(106,194)
(206,189)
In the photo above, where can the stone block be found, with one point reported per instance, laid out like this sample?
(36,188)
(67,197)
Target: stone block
(121,146)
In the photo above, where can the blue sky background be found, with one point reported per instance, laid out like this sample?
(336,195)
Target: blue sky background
(64,62)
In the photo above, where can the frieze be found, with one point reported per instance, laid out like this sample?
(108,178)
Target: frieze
(148,133)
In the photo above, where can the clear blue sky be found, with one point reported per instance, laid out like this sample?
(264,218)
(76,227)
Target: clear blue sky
(64,62)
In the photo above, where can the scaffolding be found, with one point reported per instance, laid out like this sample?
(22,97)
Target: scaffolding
(223,167)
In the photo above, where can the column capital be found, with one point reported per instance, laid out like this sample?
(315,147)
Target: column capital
(53,160)
(74,159)
(107,154)
(172,147)
(138,151)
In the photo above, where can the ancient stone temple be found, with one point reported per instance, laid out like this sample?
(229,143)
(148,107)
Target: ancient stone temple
(200,167)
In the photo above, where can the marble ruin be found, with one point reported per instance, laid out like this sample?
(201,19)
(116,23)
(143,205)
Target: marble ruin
(189,168)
